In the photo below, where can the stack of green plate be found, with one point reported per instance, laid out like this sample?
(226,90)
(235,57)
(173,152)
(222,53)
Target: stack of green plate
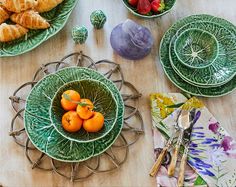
(46,137)
(198,54)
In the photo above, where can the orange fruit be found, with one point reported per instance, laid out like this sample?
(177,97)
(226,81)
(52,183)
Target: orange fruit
(88,102)
(69,100)
(95,123)
(71,122)
(85,112)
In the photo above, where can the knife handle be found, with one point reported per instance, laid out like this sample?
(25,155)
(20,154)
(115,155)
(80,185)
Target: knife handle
(158,162)
(171,168)
(160,158)
(182,168)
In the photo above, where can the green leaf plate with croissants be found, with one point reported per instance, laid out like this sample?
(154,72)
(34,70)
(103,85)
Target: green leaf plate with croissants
(57,18)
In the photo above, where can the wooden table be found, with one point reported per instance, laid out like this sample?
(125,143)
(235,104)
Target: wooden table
(147,75)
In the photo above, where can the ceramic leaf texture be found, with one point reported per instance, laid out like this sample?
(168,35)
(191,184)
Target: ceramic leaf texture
(196,48)
(104,143)
(222,69)
(57,18)
(174,77)
(45,137)
(38,129)
(103,101)
(74,74)
(67,149)
(38,102)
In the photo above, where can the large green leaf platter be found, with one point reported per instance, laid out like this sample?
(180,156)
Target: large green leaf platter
(174,77)
(57,18)
(42,133)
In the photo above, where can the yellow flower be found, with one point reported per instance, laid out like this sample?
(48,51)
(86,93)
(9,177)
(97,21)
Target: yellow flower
(192,103)
(162,103)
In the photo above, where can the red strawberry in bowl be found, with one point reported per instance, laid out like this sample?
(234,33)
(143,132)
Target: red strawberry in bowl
(144,6)
(133,2)
(157,5)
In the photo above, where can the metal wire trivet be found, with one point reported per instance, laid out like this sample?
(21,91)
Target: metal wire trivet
(108,161)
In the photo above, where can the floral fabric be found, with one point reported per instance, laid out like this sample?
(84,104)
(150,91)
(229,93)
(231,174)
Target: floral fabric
(212,152)
(160,109)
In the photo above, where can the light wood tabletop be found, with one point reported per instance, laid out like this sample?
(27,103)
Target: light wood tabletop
(147,75)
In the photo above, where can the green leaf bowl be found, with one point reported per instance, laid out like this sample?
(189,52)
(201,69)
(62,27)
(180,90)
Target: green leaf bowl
(196,48)
(57,18)
(103,100)
(169,4)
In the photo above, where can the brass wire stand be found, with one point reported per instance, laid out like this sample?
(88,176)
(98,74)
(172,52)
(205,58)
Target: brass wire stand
(109,160)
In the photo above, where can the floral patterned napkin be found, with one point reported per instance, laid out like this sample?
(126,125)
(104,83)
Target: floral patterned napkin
(212,152)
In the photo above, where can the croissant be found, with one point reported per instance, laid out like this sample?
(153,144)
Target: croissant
(19,5)
(46,5)
(4,14)
(11,32)
(30,19)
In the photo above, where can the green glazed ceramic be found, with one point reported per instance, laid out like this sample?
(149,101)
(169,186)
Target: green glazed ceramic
(42,133)
(169,4)
(200,86)
(174,77)
(103,100)
(222,70)
(196,48)
(79,34)
(98,19)
(57,18)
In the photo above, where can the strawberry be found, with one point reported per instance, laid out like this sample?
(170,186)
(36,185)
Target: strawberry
(133,2)
(144,6)
(157,5)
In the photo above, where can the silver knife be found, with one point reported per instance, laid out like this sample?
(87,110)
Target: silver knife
(186,142)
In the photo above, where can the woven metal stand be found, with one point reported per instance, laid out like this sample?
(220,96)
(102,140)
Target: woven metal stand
(108,161)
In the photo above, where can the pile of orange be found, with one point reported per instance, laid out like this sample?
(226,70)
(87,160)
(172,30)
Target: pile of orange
(80,113)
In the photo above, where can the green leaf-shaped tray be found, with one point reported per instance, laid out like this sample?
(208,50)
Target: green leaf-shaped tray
(174,77)
(57,18)
(221,70)
(40,129)
(103,100)
(196,48)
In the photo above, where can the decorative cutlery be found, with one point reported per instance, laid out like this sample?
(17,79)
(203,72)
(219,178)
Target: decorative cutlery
(160,158)
(163,153)
(184,123)
(186,142)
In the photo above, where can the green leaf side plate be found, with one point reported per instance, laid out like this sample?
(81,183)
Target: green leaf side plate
(57,18)
(221,70)
(174,77)
(103,100)
(196,85)
(40,129)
